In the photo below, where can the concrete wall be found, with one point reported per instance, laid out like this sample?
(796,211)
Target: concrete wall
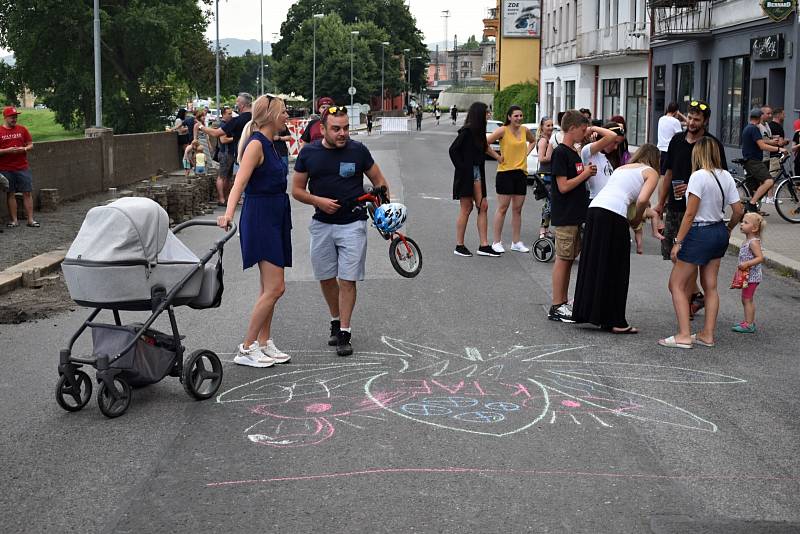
(463,100)
(79,167)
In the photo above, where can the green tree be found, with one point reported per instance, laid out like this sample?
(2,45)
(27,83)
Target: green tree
(524,95)
(10,86)
(391,17)
(471,44)
(150,50)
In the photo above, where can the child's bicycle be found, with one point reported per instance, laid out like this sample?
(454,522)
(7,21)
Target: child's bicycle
(404,253)
(543,248)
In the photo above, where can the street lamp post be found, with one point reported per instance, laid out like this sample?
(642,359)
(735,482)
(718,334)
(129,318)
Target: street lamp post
(352,36)
(384,44)
(314,67)
(216,68)
(408,77)
(98,80)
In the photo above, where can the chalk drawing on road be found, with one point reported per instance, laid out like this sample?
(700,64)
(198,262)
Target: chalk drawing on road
(495,394)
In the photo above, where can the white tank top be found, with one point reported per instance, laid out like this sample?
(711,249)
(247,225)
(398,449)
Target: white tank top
(621,191)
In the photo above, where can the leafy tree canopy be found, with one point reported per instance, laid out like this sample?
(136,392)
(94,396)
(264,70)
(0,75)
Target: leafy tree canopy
(151,50)
(471,44)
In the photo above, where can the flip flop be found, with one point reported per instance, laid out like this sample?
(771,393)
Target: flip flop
(671,343)
(697,341)
(34,224)
(12,225)
(624,331)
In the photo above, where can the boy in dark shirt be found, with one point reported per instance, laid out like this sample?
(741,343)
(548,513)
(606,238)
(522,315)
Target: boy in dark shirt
(570,200)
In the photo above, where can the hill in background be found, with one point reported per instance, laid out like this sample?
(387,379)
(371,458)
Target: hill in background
(237,47)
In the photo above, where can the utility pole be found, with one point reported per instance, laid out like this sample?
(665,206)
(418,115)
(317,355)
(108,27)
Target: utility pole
(445,16)
(384,44)
(455,60)
(98,81)
(216,69)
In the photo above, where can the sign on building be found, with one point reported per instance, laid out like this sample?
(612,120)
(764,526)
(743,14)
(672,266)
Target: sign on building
(778,10)
(522,18)
(767,48)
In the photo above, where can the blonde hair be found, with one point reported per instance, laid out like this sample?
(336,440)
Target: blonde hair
(648,154)
(758,220)
(705,155)
(265,110)
(540,130)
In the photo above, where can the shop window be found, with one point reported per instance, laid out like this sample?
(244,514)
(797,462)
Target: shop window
(735,76)
(636,110)
(684,84)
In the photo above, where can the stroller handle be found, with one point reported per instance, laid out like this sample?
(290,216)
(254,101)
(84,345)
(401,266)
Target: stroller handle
(206,222)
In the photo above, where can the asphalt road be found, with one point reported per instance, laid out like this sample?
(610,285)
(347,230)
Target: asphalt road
(463,409)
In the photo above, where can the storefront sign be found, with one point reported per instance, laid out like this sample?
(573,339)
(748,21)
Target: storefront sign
(767,48)
(522,18)
(778,10)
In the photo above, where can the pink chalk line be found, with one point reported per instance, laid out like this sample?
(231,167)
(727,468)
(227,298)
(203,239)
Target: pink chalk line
(510,472)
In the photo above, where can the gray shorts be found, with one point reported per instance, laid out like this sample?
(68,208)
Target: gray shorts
(338,250)
(19,181)
(226,161)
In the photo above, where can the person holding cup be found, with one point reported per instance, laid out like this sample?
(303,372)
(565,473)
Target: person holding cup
(678,168)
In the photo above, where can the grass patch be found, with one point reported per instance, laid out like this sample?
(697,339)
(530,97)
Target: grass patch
(43,126)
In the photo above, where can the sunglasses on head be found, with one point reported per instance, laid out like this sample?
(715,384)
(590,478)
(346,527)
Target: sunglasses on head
(333,110)
(702,106)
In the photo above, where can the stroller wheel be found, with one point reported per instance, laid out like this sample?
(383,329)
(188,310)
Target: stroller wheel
(202,374)
(73,396)
(543,249)
(114,401)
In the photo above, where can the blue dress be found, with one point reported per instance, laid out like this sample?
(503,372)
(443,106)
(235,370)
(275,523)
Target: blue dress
(265,225)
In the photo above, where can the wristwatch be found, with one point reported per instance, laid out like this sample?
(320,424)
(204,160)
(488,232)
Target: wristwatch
(676,242)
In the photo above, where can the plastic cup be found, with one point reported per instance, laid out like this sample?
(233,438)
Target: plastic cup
(676,183)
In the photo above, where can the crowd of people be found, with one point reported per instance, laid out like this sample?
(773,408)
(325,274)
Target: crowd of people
(597,193)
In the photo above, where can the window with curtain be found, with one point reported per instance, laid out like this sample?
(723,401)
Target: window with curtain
(735,76)
(636,110)
(610,98)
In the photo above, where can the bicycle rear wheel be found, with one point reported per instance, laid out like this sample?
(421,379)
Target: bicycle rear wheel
(406,257)
(787,199)
(744,197)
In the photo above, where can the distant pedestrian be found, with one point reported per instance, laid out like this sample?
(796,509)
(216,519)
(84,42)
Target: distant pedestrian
(226,156)
(511,183)
(265,226)
(601,289)
(200,117)
(234,127)
(184,133)
(418,114)
(702,241)
(369,123)
(751,256)
(454,113)
(281,138)
(600,154)
(669,125)
(15,143)
(779,137)
(437,113)
(754,144)
(622,155)
(468,154)
(190,157)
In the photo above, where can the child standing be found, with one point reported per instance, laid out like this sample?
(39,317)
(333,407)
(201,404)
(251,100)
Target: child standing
(189,156)
(750,258)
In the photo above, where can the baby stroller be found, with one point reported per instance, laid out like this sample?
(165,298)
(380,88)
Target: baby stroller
(125,258)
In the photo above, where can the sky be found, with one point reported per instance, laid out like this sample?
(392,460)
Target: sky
(240,19)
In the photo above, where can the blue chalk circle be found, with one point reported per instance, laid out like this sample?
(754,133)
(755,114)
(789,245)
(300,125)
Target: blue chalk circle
(502,406)
(425,409)
(480,417)
(453,402)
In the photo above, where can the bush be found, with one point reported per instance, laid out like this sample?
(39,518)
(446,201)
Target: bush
(524,95)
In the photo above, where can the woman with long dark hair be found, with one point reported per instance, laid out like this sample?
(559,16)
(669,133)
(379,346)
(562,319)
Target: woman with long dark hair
(468,154)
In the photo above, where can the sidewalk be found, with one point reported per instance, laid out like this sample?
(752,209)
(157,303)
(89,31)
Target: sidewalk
(781,243)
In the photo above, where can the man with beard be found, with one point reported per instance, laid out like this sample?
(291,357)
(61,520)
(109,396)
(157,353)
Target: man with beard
(329,173)
(678,168)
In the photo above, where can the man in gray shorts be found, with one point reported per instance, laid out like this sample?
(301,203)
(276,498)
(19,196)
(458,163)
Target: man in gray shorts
(329,173)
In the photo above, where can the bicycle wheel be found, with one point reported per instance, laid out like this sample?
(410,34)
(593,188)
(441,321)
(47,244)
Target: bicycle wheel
(744,197)
(787,199)
(406,257)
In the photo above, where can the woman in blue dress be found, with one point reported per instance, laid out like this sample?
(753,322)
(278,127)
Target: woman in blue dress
(264,225)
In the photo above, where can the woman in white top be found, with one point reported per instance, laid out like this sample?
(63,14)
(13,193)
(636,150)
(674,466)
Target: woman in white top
(601,291)
(608,139)
(702,241)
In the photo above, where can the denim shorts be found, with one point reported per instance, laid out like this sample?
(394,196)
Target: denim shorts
(338,250)
(476,173)
(704,243)
(19,181)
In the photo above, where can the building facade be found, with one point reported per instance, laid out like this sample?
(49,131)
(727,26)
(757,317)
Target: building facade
(729,53)
(595,56)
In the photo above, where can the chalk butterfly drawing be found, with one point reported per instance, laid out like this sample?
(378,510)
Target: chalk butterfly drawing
(496,395)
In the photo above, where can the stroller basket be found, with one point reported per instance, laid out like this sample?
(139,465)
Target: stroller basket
(149,360)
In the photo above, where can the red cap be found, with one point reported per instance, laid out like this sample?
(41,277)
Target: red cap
(9,111)
(325,100)
(797,125)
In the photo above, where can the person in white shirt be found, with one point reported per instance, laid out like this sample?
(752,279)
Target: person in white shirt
(608,139)
(702,241)
(669,125)
(601,290)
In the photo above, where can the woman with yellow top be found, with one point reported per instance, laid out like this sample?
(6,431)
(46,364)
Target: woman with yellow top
(511,183)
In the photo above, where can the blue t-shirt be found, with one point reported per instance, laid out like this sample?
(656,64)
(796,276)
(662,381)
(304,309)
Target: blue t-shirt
(336,173)
(750,136)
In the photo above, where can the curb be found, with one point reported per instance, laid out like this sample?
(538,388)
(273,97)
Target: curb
(11,278)
(773,260)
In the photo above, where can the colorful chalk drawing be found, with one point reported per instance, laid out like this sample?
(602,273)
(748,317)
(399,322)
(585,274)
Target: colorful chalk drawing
(496,395)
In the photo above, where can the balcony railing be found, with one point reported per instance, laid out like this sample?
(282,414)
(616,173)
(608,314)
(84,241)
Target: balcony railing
(628,38)
(489,68)
(681,19)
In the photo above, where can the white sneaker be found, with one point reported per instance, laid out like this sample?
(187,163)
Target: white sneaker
(519,246)
(272,352)
(769,200)
(498,247)
(252,356)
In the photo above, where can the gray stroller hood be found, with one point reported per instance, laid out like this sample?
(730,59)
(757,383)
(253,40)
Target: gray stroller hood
(123,251)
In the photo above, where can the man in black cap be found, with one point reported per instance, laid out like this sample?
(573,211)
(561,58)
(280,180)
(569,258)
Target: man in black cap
(753,147)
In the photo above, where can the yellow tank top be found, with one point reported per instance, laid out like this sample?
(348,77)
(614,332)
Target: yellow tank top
(514,151)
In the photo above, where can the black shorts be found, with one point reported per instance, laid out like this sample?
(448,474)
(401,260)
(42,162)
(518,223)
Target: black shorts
(759,170)
(511,182)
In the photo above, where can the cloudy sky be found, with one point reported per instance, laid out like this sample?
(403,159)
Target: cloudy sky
(240,18)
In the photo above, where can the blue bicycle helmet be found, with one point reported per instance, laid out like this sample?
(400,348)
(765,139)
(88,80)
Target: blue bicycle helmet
(390,217)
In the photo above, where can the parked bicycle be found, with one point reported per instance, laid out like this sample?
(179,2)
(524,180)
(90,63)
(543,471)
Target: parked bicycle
(387,218)
(787,190)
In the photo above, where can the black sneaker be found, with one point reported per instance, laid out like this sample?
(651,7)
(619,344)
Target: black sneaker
(561,313)
(334,339)
(343,346)
(461,250)
(487,250)
(749,207)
